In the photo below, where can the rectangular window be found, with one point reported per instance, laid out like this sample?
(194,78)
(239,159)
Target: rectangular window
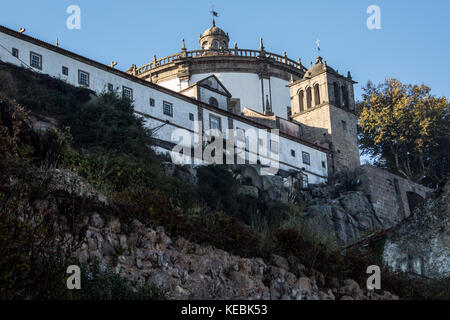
(83,78)
(110,87)
(273,146)
(215,122)
(168,108)
(127,93)
(344,125)
(293,153)
(36,60)
(152,102)
(240,134)
(324,165)
(15,52)
(191,116)
(65,71)
(306,158)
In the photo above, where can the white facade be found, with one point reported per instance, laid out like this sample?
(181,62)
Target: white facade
(250,89)
(186,110)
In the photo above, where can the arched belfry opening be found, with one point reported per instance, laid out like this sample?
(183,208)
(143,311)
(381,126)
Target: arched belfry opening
(345,97)
(309,98)
(317,94)
(301,100)
(337,96)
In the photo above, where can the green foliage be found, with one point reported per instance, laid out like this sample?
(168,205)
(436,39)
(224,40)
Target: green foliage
(32,256)
(41,93)
(407,130)
(99,283)
(199,224)
(109,123)
(217,187)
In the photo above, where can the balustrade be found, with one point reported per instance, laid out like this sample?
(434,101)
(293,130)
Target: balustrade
(221,52)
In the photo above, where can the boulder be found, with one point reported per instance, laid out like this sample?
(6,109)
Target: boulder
(349,217)
(248,191)
(280,262)
(420,244)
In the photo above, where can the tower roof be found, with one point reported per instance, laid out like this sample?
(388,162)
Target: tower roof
(214,31)
(318,68)
(214,38)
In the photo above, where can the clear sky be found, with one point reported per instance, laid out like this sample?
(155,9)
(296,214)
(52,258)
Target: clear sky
(413,43)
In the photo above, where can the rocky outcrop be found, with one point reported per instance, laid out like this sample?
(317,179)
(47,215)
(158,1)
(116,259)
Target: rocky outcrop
(350,216)
(421,243)
(190,271)
(68,181)
(345,216)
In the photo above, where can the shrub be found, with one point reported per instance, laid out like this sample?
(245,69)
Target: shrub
(102,283)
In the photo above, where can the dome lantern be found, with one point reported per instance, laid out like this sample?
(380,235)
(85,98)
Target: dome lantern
(214,38)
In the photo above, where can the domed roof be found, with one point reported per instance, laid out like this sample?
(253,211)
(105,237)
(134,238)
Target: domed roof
(214,31)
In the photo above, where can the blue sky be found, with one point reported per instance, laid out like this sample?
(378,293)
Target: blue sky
(412,46)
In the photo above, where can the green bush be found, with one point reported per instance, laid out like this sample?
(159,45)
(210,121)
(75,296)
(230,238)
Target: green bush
(99,283)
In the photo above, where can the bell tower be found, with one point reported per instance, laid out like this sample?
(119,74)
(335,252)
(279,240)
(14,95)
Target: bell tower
(323,102)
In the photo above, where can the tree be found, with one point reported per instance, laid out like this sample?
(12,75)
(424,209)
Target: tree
(406,129)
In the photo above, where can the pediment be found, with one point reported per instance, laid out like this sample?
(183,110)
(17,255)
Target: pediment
(213,83)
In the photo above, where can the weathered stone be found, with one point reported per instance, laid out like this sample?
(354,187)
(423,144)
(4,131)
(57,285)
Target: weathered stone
(305,285)
(280,262)
(190,271)
(349,217)
(421,243)
(108,249)
(97,221)
(296,267)
(249,191)
(251,173)
(114,225)
(318,277)
(351,288)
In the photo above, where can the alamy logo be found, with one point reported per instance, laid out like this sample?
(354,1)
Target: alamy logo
(374,281)
(374,20)
(74,281)
(213,146)
(74,20)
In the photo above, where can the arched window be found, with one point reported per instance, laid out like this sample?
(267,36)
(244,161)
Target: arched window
(213,101)
(301,99)
(345,96)
(215,45)
(317,94)
(337,96)
(308,98)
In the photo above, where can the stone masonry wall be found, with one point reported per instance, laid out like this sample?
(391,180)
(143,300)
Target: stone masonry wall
(389,194)
(324,126)
(344,140)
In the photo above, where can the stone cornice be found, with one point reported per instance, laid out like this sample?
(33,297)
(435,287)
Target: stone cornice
(225,63)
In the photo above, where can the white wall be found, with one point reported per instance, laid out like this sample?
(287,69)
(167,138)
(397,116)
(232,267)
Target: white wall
(206,94)
(281,97)
(246,86)
(238,84)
